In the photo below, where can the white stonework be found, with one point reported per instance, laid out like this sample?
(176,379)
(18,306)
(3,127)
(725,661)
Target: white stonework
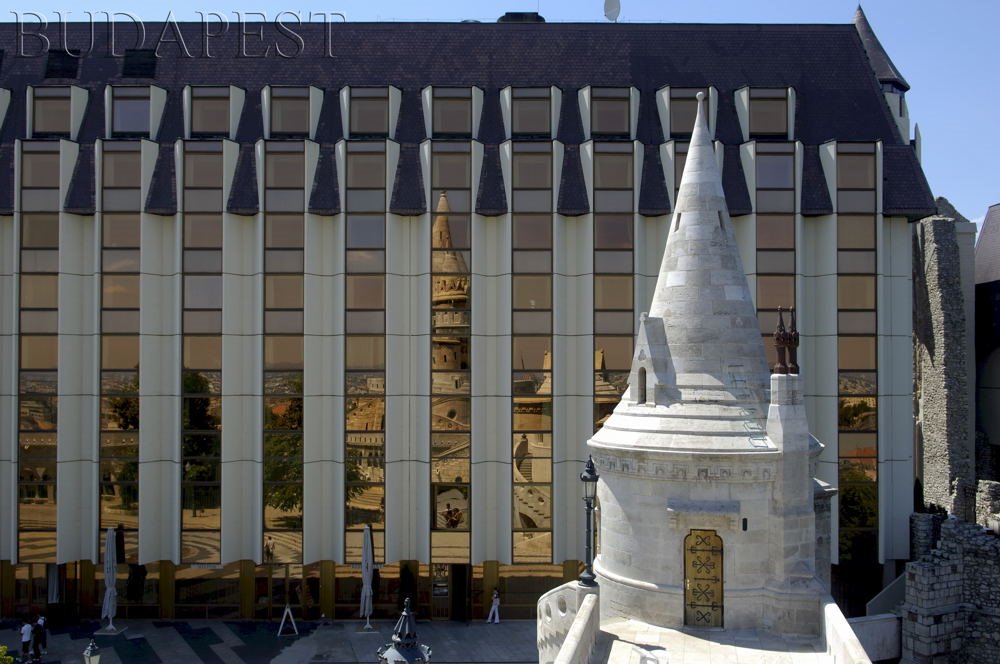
(704,440)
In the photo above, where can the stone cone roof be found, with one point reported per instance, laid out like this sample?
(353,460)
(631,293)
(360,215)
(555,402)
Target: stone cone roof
(699,347)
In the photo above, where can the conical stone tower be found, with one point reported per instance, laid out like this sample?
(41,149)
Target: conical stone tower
(706,495)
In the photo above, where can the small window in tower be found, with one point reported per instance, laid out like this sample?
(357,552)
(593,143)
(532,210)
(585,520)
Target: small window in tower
(452,112)
(369,112)
(130,111)
(641,384)
(289,112)
(531,112)
(209,112)
(50,114)
(609,112)
(769,113)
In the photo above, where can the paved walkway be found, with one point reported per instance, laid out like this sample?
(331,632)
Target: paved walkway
(631,642)
(340,642)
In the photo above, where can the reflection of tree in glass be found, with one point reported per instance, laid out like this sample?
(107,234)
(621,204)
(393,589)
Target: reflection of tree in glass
(283,456)
(198,448)
(854,414)
(125,410)
(858,510)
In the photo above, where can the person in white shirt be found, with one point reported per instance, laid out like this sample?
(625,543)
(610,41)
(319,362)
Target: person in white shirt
(494,616)
(25,640)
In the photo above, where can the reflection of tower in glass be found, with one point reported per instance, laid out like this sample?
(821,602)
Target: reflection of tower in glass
(606,394)
(450,337)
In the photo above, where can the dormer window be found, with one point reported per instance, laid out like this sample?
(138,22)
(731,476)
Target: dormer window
(609,112)
(769,113)
(50,114)
(209,112)
(289,112)
(130,111)
(452,112)
(531,112)
(369,112)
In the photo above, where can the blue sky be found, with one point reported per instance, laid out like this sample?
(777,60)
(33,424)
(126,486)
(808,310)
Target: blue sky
(946,51)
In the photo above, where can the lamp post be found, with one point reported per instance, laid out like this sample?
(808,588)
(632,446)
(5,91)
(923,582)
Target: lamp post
(92,655)
(589,478)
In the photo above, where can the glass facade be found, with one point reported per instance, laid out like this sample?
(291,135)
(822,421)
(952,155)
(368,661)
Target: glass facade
(284,237)
(119,435)
(857,361)
(201,369)
(531,355)
(775,173)
(364,348)
(209,585)
(614,241)
(38,403)
(451,366)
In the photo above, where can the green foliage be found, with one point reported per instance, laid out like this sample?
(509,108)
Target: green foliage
(4,657)
(858,513)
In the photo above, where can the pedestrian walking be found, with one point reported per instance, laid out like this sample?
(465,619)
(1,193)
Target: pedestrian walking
(25,640)
(494,616)
(42,633)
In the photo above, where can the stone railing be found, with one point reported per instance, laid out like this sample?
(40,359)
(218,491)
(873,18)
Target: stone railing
(557,614)
(841,642)
(579,643)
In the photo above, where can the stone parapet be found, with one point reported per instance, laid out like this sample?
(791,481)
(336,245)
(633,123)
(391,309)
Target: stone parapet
(557,610)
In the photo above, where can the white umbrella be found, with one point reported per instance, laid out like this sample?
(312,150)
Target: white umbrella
(367,570)
(110,578)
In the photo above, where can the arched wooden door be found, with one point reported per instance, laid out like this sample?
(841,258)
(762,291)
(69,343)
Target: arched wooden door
(703,604)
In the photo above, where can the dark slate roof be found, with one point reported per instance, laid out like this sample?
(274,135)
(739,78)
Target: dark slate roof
(572,188)
(815,198)
(491,200)
(882,64)
(988,247)
(570,129)
(251,126)
(838,82)
(325,195)
(905,190)
(92,127)
(648,128)
(162,195)
(491,124)
(80,196)
(243,198)
(734,182)
(12,129)
(408,192)
(330,129)
(653,197)
(172,121)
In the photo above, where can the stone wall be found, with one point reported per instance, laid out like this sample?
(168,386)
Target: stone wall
(925,531)
(987,501)
(952,607)
(941,362)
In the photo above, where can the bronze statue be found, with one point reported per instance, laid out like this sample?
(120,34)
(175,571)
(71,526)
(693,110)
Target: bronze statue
(780,344)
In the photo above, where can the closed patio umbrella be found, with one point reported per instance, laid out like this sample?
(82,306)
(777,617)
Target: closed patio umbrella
(110,605)
(367,571)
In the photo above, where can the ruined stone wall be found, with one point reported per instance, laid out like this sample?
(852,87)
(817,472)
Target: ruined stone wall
(987,501)
(952,607)
(941,369)
(925,531)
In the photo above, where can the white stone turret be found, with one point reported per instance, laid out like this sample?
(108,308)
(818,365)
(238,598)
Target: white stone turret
(706,494)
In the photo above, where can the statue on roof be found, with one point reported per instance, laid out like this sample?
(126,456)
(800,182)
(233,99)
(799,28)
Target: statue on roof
(781,343)
(793,345)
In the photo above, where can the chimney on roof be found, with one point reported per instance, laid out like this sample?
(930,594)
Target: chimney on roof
(521,17)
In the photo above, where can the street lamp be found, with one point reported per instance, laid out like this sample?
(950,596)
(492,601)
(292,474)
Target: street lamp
(589,478)
(92,655)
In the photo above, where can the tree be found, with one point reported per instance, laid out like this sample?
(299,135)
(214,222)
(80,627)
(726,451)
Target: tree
(125,411)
